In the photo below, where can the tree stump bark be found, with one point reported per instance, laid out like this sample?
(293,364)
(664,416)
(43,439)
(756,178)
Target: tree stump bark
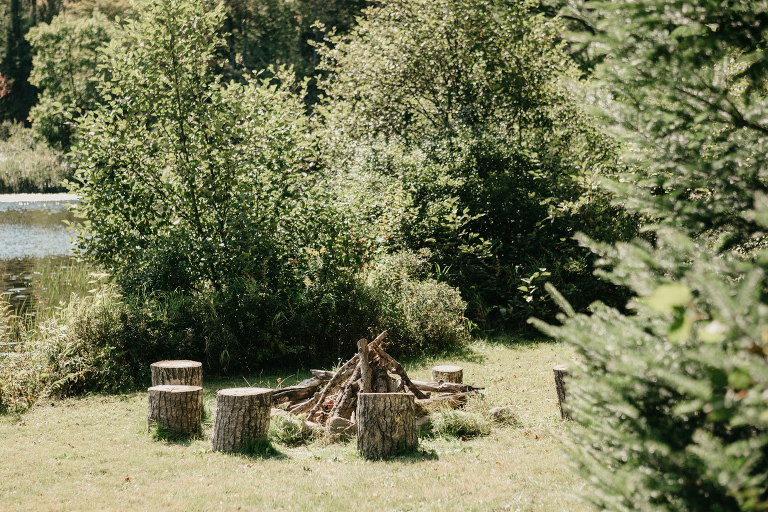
(175,408)
(177,373)
(448,373)
(242,416)
(561,372)
(386,423)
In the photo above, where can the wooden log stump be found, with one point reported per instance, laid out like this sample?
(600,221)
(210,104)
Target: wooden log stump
(448,373)
(175,408)
(561,372)
(177,373)
(386,423)
(242,416)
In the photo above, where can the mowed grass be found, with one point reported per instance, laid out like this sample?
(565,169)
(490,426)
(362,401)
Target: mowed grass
(94,453)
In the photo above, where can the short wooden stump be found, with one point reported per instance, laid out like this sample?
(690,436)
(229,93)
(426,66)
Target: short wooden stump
(386,423)
(448,373)
(177,373)
(175,408)
(561,373)
(242,416)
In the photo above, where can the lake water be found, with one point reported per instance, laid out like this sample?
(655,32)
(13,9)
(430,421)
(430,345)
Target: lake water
(32,233)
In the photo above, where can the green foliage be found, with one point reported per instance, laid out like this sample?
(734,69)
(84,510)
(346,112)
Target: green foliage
(420,314)
(267,33)
(110,8)
(176,161)
(106,341)
(463,107)
(65,63)
(671,403)
(160,433)
(417,66)
(27,164)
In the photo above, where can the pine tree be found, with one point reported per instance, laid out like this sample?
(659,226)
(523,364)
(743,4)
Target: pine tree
(671,401)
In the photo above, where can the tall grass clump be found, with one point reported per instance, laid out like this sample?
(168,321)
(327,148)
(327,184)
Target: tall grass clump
(291,431)
(450,423)
(27,164)
(55,283)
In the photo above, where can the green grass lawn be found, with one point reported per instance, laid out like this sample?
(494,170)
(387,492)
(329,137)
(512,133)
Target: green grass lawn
(94,453)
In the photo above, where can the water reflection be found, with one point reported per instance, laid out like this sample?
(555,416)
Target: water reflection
(33,237)
(31,225)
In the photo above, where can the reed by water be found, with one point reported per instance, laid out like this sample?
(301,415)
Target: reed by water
(53,284)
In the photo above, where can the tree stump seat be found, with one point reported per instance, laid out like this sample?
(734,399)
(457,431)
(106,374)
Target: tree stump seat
(242,416)
(386,423)
(175,408)
(177,373)
(448,373)
(561,372)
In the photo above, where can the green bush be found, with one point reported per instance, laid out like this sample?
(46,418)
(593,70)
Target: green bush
(462,109)
(175,162)
(66,60)
(106,342)
(420,314)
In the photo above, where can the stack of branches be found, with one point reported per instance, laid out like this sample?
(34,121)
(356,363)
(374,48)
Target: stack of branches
(327,395)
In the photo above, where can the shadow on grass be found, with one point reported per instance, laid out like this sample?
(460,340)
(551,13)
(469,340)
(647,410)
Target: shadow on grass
(161,434)
(518,340)
(259,449)
(414,456)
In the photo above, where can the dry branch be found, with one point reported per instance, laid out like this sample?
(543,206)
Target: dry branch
(444,387)
(398,369)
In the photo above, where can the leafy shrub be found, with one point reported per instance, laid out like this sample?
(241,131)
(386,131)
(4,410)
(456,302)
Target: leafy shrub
(176,162)
(420,314)
(106,342)
(65,61)
(460,106)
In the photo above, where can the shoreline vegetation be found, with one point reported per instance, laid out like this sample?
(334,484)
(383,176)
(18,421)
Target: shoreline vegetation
(29,165)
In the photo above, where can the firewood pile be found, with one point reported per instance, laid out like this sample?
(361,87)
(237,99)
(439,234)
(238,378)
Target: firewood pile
(329,398)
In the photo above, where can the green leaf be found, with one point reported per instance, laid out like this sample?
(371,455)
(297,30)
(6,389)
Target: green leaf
(739,379)
(713,332)
(667,297)
(680,330)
